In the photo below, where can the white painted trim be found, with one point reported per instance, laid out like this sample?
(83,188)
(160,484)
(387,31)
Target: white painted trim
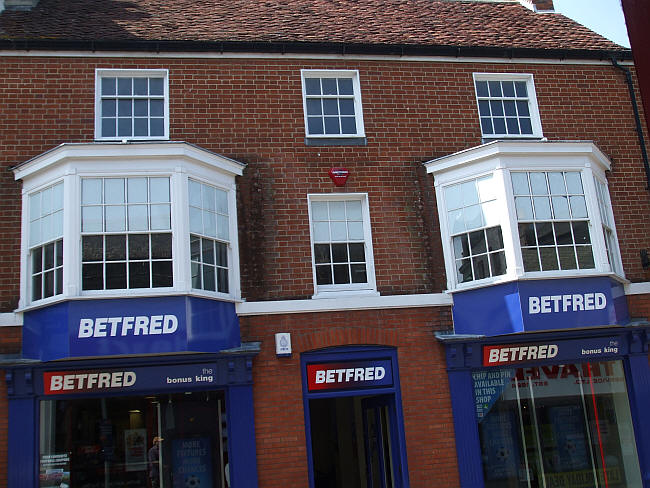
(11,319)
(637,288)
(350,57)
(344,304)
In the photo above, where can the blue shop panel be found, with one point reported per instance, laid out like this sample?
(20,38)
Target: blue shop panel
(90,328)
(539,305)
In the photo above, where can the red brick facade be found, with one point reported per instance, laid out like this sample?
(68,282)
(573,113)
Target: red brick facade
(251,110)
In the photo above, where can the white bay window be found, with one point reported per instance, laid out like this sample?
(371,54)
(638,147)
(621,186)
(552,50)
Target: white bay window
(128,218)
(526,209)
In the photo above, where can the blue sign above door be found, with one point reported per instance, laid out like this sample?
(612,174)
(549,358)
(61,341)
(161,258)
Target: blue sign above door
(93,328)
(538,305)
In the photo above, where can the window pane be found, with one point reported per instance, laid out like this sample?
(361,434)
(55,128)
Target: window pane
(499,125)
(461,246)
(453,197)
(141,108)
(315,125)
(222,202)
(581,232)
(161,246)
(321,231)
(109,108)
(464,270)
(207,251)
(494,238)
(498,263)
(322,253)
(37,260)
(196,276)
(549,258)
(357,253)
(456,221)
(329,86)
(108,86)
(495,88)
(332,125)
(161,273)
(37,287)
(477,242)
(578,207)
(522,108)
(158,190)
(209,224)
(520,89)
(574,182)
(115,247)
(125,109)
(339,231)
(508,88)
(323,275)
(156,127)
(222,280)
(115,276)
(222,254)
(330,106)
(473,217)
(567,257)
(92,276)
(156,86)
(312,86)
(141,127)
(92,248)
(341,274)
(339,253)
(109,128)
(542,208)
(209,278)
(585,257)
(560,208)
(538,183)
(138,246)
(510,109)
(115,218)
(195,248)
(355,231)
(545,233)
(139,275)
(345,86)
(484,108)
(527,235)
(563,233)
(223,231)
(556,183)
(314,106)
(194,193)
(196,220)
(138,217)
(524,207)
(137,190)
(348,125)
(160,217)
(481,267)
(531,260)
(124,86)
(140,86)
(346,106)
(59,252)
(358,273)
(319,211)
(91,191)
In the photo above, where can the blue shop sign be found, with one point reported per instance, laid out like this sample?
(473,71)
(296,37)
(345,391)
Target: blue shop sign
(538,305)
(89,328)
(129,380)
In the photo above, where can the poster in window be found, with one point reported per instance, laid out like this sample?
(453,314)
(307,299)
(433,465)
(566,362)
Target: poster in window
(54,470)
(192,462)
(499,445)
(135,451)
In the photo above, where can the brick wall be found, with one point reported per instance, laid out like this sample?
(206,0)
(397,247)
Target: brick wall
(251,110)
(277,390)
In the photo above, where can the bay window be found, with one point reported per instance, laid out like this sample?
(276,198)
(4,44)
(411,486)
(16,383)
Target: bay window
(513,210)
(137,218)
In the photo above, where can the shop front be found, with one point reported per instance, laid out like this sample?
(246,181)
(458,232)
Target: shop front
(353,418)
(557,396)
(152,392)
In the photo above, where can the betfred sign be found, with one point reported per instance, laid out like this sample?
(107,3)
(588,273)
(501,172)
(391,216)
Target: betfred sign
(131,380)
(517,353)
(86,381)
(589,349)
(349,375)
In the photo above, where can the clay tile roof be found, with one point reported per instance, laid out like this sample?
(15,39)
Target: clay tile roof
(500,24)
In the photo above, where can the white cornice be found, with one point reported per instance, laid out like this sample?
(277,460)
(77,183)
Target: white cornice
(496,149)
(11,319)
(638,288)
(349,57)
(344,304)
(130,150)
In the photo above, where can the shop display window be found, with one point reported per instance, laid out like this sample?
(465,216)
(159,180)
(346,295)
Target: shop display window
(562,425)
(157,441)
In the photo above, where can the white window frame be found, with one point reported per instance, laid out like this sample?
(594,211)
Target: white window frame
(340,290)
(177,161)
(356,89)
(533,107)
(501,158)
(101,73)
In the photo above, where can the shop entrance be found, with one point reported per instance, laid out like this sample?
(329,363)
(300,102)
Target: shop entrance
(354,442)
(174,440)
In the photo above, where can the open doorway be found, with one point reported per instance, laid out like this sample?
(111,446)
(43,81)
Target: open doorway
(354,442)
